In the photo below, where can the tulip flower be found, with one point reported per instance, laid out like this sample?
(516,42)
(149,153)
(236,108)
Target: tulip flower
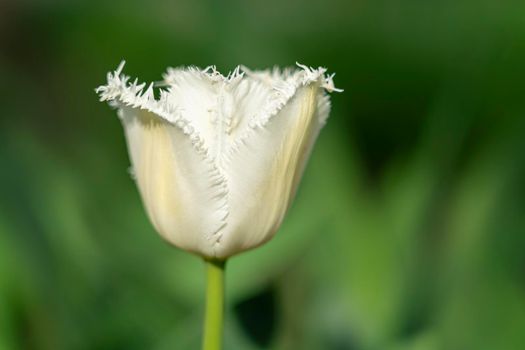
(217,159)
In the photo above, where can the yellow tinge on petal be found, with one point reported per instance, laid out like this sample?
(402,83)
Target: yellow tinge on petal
(180,191)
(267,170)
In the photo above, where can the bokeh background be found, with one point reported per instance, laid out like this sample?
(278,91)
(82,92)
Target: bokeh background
(408,231)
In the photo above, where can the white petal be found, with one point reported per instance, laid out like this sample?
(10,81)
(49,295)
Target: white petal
(264,172)
(244,102)
(194,95)
(220,108)
(182,191)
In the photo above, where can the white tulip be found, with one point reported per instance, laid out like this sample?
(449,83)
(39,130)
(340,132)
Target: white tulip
(217,159)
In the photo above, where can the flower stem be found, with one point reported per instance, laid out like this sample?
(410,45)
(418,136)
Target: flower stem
(214,316)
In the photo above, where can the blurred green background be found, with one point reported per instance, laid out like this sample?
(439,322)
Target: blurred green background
(408,231)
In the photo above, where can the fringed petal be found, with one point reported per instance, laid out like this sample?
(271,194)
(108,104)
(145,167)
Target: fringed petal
(264,171)
(183,192)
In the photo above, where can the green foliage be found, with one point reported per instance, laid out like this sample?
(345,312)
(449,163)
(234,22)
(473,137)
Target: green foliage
(408,232)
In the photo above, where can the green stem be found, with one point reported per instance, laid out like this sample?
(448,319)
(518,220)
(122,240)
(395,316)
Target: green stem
(214,316)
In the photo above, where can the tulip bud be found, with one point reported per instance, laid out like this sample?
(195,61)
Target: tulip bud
(217,159)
